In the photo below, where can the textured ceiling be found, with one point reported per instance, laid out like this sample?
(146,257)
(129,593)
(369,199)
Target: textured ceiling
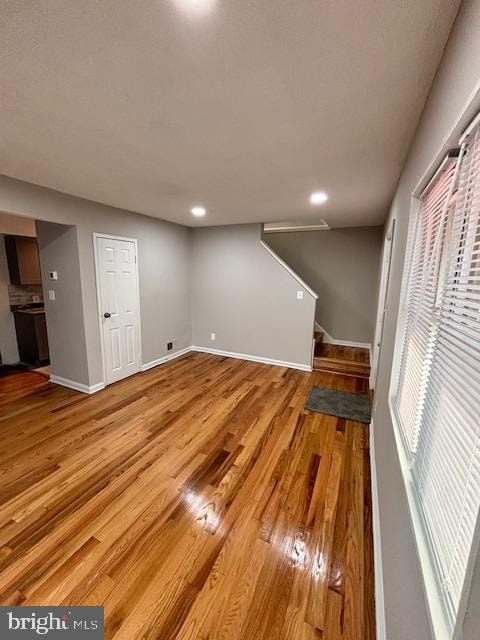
(244,109)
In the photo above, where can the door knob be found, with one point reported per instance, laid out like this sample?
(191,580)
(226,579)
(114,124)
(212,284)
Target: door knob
(107,315)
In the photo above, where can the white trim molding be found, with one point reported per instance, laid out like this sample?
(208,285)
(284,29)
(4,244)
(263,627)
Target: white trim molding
(77,386)
(289,227)
(155,363)
(328,339)
(289,269)
(433,596)
(261,359)
(377,546)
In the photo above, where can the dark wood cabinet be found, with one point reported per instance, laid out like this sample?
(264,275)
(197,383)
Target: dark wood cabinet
(32,338)
(23,260)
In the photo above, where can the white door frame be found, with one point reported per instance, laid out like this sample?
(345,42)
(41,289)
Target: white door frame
(382,301)
(109,236)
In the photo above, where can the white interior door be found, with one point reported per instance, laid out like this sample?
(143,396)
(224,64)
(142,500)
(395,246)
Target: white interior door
(120,315)
(382,298)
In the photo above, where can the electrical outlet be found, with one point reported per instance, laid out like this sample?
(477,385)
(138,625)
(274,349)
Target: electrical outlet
(169,346)
(299,295)
(51,294)
(213,336)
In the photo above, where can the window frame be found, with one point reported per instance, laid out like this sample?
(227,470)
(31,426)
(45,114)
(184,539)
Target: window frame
(438,617)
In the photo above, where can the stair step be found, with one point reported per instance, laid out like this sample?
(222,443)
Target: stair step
(345,367)
(318,341)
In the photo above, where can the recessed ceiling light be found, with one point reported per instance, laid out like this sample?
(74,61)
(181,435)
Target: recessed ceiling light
(198,211)
(196,7)
(318,197)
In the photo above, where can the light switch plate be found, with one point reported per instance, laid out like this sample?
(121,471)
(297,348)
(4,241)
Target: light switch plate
(299,295)
(51,294)
(53,275)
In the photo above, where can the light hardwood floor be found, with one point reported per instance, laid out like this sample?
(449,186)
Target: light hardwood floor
(197,501)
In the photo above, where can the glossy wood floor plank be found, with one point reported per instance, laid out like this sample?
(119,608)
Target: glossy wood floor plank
(195,501)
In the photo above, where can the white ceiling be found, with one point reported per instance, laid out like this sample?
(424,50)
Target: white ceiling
(245,109)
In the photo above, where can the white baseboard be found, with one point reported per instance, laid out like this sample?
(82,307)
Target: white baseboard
(328,339)
(262,360)
(77,386)
(154,363)
(377,547)
(96,387)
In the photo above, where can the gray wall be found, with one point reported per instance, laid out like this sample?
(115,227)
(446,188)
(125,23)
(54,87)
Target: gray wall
(254,315)
(341,265)
(58,248)
(472,618)
(8,337)
(241,293)
(164,265)
(456,85)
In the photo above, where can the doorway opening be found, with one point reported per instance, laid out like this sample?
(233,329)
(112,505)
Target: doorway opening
(23,329)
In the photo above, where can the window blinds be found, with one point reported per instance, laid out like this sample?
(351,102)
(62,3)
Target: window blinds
(426,244)
(438,393)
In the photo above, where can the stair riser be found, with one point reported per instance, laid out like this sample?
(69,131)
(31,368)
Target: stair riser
(353,374)
(343,368)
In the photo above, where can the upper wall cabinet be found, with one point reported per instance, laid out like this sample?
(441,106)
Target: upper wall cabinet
(23,260)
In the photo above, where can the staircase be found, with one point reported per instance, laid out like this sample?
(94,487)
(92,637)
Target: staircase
(333,358)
